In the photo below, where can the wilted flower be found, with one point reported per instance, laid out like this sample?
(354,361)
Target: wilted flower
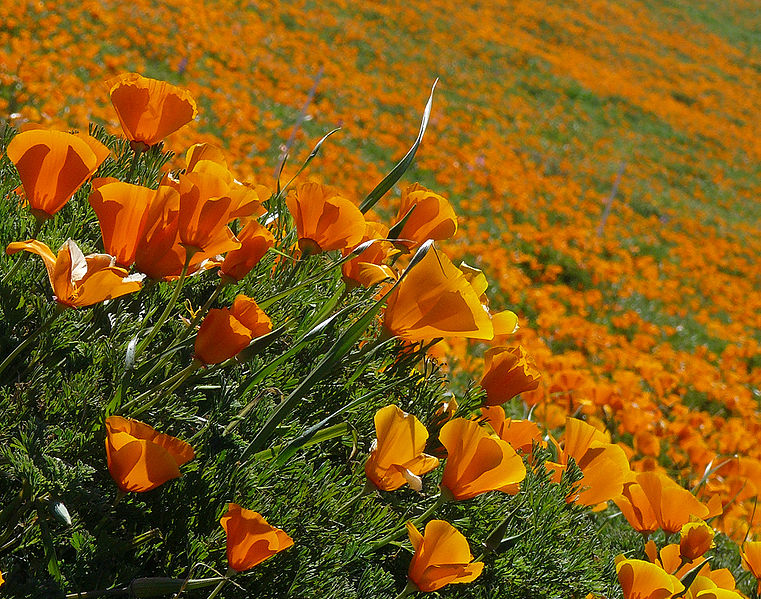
(149,109)
(141,459)
(398,457)
(53,165)
(478,462)
(80,280)
(250,540)
(442,557)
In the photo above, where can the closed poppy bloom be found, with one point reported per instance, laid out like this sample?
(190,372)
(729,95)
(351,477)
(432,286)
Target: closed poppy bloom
(442,557)
(149,109)
(751,559)
(436,300)
(642,580)
(255,240)
(122,210)
(604,465)
(250,540)
(398,458)
(478,462)
(78,280)
(324,220)
(368,269)
(432,216)
(52,165)
(508,371)
(695,539)
(226,331)
(139,458)
(672,505)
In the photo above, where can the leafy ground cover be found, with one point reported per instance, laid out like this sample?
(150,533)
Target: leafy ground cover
(602,160)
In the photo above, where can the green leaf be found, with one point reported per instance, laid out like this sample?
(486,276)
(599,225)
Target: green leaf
(397,172)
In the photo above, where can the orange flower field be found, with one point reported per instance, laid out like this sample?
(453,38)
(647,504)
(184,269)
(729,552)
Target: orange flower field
(595,166)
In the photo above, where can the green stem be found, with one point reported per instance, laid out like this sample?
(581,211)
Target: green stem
(161,390)
(218,588)
(169,307)
(440,500)
(26,342)
(366,490)
(138,149)
(408,590)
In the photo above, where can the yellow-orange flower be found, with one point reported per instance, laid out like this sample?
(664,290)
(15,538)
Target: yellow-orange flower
(149,109)
(432,216)
(368,269)
(672,505)
(636,508)
(478,462)
(80,280)
(250,540)
(255,241)
(141,459)
(695,539)
(398,457)
(751,559)
(226,331)
(324,221)
(442,557)
(642,580)
(52,165)
(436,300)
(122,211)
(508,371)
(520,434)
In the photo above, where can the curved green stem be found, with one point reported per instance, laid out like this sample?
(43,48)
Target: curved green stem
(408,590)
(31,338)
(169,307)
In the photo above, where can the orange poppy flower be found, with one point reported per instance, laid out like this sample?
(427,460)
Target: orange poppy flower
(672,505)
(751,559)
(80,280)
(250,540)
(642,580)
(442,557)
(398,458)
(139,458)
(226,331)
(636,508)
(508,371)
(368,269)
(432,216)
(149,109)
(324,221)
(670,559)
(436,300)
(158,253)
(695,539)
(604,466)
(122,211)
(520,434)
(255,241)
(478,462)
(53,165)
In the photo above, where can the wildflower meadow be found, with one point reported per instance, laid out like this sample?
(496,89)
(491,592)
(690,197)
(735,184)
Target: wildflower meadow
(380,299)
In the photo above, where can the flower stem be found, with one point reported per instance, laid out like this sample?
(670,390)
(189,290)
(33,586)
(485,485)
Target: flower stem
(366,490)
(138,149)
(169,307)
(160,390)
(408,590)
(28,341)
(218,588)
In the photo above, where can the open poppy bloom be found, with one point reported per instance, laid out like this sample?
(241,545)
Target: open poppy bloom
(636,508)
(122,210)
(324,220)
(604,465)
(520,434)
(226,331)
(398,457)
(478,462)
(432,216)
(508,371)
(672,505)
(642,580)
(52,165)
(80,280)
(436,300)
(139,458)
(250,540)
(149,109)
(442,557)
